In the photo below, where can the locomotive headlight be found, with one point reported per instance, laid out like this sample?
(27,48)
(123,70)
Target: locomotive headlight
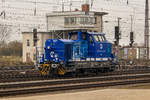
(48,47)
(56,56)
(51,54)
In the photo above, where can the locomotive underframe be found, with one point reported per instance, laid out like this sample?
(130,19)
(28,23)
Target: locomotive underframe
(80,65)
(73,66)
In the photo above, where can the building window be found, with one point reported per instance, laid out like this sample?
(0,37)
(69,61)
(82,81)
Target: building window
(80,20)
(28,42)
(95,20)
(88,20)
(70,20)
(66,20)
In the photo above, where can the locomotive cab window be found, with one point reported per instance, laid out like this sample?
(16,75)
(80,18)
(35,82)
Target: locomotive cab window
(74,36)
(99,38)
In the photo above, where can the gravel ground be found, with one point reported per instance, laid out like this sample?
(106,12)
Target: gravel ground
(103,94)
(140,86)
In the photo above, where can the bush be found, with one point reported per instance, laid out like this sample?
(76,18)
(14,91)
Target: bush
(13,48)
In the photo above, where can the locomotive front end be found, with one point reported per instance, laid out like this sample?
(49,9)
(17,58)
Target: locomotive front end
(57,53)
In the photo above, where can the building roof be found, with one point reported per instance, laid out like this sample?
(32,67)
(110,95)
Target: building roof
(68,13)
(67,30)
(37,32)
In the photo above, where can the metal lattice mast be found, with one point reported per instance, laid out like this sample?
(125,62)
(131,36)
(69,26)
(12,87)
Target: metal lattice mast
(146,33)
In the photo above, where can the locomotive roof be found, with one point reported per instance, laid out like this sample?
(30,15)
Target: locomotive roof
(66,40)
(95,33)
(89,32)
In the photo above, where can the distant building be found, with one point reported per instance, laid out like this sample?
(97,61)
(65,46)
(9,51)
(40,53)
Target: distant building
(85,19)
(28,49)
(59,24)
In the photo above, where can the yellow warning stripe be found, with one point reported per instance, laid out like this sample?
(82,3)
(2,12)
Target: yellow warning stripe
(45,68)
(61,71)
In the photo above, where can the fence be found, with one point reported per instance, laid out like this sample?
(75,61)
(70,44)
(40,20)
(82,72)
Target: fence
(132,53)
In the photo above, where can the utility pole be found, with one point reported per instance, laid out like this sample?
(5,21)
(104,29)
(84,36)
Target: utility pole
(131,23)
(119,23)
(146,32)
(92,1)
(117,32)
(35,39)
(131,33)
(117,37)
(3,7)
(35,8)
(70,5)
(62,6)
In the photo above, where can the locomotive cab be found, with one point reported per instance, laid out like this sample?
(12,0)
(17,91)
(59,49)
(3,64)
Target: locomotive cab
(91,45)
(80,45)
(99,47)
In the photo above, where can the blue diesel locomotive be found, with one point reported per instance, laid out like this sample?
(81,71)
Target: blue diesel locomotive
(81,52)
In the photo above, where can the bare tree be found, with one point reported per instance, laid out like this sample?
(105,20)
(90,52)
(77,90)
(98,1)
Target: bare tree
(4,34)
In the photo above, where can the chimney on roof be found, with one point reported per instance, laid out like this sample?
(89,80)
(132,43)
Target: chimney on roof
(85,7)
(76,9)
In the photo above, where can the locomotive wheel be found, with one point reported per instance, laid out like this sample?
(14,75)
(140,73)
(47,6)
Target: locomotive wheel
(45,69)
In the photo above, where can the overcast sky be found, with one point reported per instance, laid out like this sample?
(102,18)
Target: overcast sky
(21,16)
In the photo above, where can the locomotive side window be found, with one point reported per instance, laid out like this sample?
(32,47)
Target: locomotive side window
(83,36)
(91,40)
(74,36)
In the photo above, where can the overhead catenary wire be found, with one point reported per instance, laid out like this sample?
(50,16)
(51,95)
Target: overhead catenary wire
(42,7)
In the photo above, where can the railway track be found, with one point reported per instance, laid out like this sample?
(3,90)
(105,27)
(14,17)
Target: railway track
(53,85)
(17,67)
(33,74)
